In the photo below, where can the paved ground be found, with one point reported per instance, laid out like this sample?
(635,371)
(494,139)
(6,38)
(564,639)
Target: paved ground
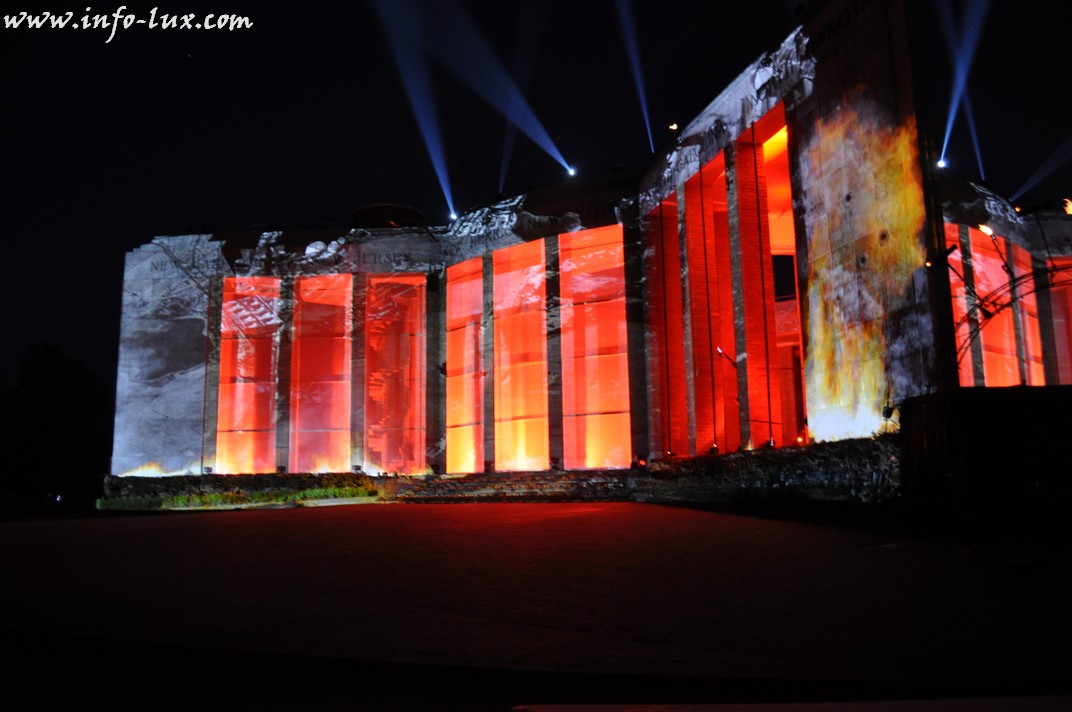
(486,606)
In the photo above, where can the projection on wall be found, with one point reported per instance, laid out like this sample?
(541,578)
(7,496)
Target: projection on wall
(1061,309)
(776,294)
(394,332)
(249,356)
(864,218)
(161,379)
(320,376)
(593,353)
(320,381)
(465,381)
(595,367)
(995,311)
(723,304)
(520,371)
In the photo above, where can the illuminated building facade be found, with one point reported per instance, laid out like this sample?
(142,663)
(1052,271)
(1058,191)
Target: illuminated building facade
(790,270)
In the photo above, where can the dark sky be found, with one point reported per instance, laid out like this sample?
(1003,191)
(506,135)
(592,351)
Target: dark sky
(301,119)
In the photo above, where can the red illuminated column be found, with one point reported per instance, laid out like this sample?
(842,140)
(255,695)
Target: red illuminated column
(711,309)
(395,373)
(246,411)
(520,358)
(754,314)
(464,359)
(966,325)
(989,277)
(1025,305)
(320,384)
(666,314)
(1044,305)
(702,313)
(1054,302)
(595,365)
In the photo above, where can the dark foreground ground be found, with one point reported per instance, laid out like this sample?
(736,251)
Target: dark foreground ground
(493,606)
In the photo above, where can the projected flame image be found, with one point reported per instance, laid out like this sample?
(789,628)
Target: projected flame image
(865,245)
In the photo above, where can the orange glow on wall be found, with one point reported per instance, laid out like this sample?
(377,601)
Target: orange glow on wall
(1028,314)
(520,358)
(779,191)
(249,352)
(395,373)
(595,368)
(760,396)
(1006,324)
(1061,309)
(789,365)
(320,374)
(707,227)
(465,381)
(963,302)
(997,333)
(864,218)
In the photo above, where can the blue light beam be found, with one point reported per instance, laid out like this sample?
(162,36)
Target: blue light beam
(625,18)
(974,134)
(405,36)
(1057,159)
(460,47)
(963,53)
(530,23)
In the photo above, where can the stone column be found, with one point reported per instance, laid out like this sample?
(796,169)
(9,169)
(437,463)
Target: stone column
(282,389)
(554,351)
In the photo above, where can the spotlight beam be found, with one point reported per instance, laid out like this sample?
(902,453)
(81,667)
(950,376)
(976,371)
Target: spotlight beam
(530,23)
(1057,159)
(962,50)
(404,37)
(974,134)
(460,47)
(629,34)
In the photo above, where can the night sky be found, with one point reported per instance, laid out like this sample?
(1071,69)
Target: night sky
(302,118)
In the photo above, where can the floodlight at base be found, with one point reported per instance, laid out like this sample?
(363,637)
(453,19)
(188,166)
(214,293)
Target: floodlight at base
(572,171)
(941,163)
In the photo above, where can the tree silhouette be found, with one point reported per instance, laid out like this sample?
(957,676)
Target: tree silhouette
(57,420)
